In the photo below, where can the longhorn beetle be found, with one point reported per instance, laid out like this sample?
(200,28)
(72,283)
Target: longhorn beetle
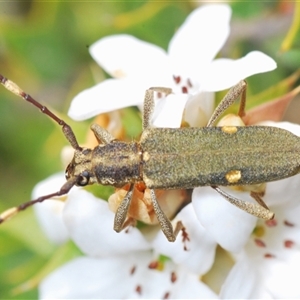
(181,158)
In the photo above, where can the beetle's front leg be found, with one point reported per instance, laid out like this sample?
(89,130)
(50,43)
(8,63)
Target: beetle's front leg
(101,134)
(122,210)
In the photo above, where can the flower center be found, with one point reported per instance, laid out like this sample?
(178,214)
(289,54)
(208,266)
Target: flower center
(183,84)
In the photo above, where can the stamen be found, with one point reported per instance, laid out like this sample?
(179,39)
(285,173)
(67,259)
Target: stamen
(189,83)
(259,243)
(184,90)
(287,223)
(289,244)
(173,277)
(177,79)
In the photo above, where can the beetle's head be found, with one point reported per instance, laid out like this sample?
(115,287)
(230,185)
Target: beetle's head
(81,167)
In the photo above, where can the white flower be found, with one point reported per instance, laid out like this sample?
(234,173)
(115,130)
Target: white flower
(197,252)
(90,224)
(271,256)
(123,277)
(123,265)
(189,68)
(117,265)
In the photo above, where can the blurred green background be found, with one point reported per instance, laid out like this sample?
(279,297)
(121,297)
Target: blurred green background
(44,48)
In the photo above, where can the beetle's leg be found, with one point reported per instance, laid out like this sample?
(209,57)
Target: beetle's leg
(164,222)
(251,208)
(149,103)
(258,199)
(122,210)
(102,134)
(234,93)
(9,213)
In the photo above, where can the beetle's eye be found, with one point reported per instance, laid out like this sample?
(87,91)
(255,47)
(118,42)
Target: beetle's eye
(84,178)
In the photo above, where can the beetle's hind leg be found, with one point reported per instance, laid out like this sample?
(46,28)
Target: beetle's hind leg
(259,210)
(256,196)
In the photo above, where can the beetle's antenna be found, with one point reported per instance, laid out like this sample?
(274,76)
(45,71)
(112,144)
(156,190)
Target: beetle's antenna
(9,213)
(67,130)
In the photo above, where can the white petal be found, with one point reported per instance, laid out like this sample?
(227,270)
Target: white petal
(122,277)
(90,224)
(291,215)
(106,96)
(293,128)
(125,56)
(190,287)
(168,111)
(199,39)
(199,108)
(281,278)
(88,278)
(170,282)
(200,253)
(283,192)
(227,224)
(224,73)
(279,238)
(49,213)
(244,282)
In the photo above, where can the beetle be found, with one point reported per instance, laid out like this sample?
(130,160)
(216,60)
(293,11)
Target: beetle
(181,158)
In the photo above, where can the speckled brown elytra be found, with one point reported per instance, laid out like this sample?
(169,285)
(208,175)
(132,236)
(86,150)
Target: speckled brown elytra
(182,158)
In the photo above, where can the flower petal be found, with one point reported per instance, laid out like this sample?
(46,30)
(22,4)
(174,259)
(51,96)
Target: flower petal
(281,278)
(191,287)
(244,282)
(283,192)
(89,278)
(121,277)
(224,73)
(90,224)
(199,39)
(49,213)
(200,252)
(126,56)
(106,96)
(168,111)
(199,108)
(227,224)
(294,128)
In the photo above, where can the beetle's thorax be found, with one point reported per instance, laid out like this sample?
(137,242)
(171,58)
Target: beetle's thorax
(117,163)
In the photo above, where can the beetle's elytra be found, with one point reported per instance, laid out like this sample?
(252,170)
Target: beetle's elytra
(213,154)
(182,158)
